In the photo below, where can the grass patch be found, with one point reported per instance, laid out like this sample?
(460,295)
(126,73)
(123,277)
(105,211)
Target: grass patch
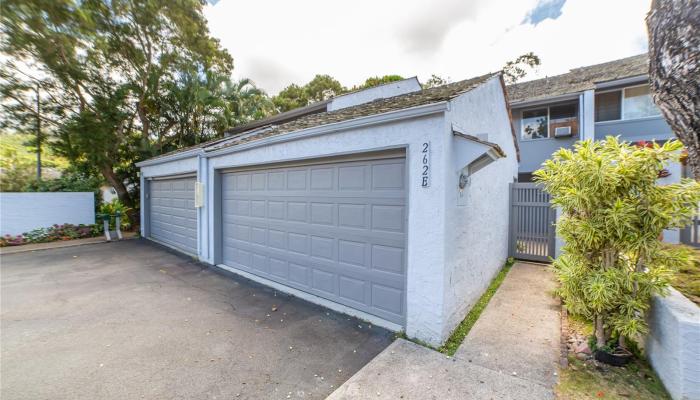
(458,335)
(687,280)
(402,335)
(584,380)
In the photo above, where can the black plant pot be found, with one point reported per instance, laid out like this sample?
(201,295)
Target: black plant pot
(619,359)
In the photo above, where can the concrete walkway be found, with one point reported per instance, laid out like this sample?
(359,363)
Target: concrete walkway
(511,352)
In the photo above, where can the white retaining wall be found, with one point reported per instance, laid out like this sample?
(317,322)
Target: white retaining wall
(673,344)
(22,212)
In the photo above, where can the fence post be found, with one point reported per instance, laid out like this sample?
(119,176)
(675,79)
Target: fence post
(105,224)
(118,224)
(511,223)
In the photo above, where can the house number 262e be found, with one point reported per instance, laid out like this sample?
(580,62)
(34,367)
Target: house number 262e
(425,165)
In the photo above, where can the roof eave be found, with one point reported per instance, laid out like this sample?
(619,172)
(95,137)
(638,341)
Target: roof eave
(545,100)
(495,147)
(376,119)
(174,157)
(622,81)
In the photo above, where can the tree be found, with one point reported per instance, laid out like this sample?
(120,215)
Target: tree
(15,172)
(614,213)
(435,81)
(517,69)
(291,97)
(321,87)
(674,70)
(246,102)
(378,80)
(104,67)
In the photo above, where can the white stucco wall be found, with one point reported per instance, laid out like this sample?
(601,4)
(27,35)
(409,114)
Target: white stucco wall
(22,212)
(453,248)
(476,244)
(174,167)
(673,344)
(425,250)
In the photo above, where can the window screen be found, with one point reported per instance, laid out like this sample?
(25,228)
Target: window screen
(534,124)
(638,103)
(608,106)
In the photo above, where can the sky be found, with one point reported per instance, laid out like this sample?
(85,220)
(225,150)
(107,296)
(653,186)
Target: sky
(277,42)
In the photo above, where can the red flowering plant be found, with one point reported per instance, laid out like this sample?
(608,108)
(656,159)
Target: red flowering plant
(51,234)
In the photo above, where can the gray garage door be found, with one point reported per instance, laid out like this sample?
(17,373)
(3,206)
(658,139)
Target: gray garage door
(173,217)
(336,230)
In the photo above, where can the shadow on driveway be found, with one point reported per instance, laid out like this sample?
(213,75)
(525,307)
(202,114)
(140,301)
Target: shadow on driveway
(130,320)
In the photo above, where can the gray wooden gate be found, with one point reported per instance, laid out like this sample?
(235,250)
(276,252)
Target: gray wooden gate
(532,234)
(690,235)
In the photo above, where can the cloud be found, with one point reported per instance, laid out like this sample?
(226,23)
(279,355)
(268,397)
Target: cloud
(425,31)
(267,72)
(276,43)
(545,9)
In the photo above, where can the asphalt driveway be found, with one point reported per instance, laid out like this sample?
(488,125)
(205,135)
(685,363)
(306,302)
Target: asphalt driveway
(133,320)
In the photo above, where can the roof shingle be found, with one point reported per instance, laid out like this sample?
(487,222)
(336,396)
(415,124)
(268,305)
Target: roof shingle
(414,99)
(578,79)
(426,96)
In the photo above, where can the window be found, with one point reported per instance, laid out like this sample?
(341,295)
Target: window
(638,103)
(554,121)
(525,177)
(628,103)
(608,106)
(535,124)
(563,118)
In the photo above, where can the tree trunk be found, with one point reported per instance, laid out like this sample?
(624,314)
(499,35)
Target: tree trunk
(123,194)
(600,339)
(145,122)
(674,70)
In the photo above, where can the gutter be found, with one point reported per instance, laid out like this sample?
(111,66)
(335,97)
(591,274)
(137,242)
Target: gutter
(545,100)
(173,157)
(622,81)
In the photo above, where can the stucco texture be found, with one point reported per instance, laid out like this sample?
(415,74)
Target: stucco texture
(476,240)
(673,344)
(455,244)
(425,252)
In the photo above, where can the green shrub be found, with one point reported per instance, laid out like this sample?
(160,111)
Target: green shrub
(111,209)
(51,234)
(613,216)
(69,182)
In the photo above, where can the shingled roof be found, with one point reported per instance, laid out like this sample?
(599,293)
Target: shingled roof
(579,79)
(380,106)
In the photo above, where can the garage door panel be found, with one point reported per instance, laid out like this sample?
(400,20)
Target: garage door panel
(387,298)
(173,217)
(334,230)
(322,179)
(387,238)
(384,277)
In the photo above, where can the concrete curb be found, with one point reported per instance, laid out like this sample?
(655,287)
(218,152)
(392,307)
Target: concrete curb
(60,244)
